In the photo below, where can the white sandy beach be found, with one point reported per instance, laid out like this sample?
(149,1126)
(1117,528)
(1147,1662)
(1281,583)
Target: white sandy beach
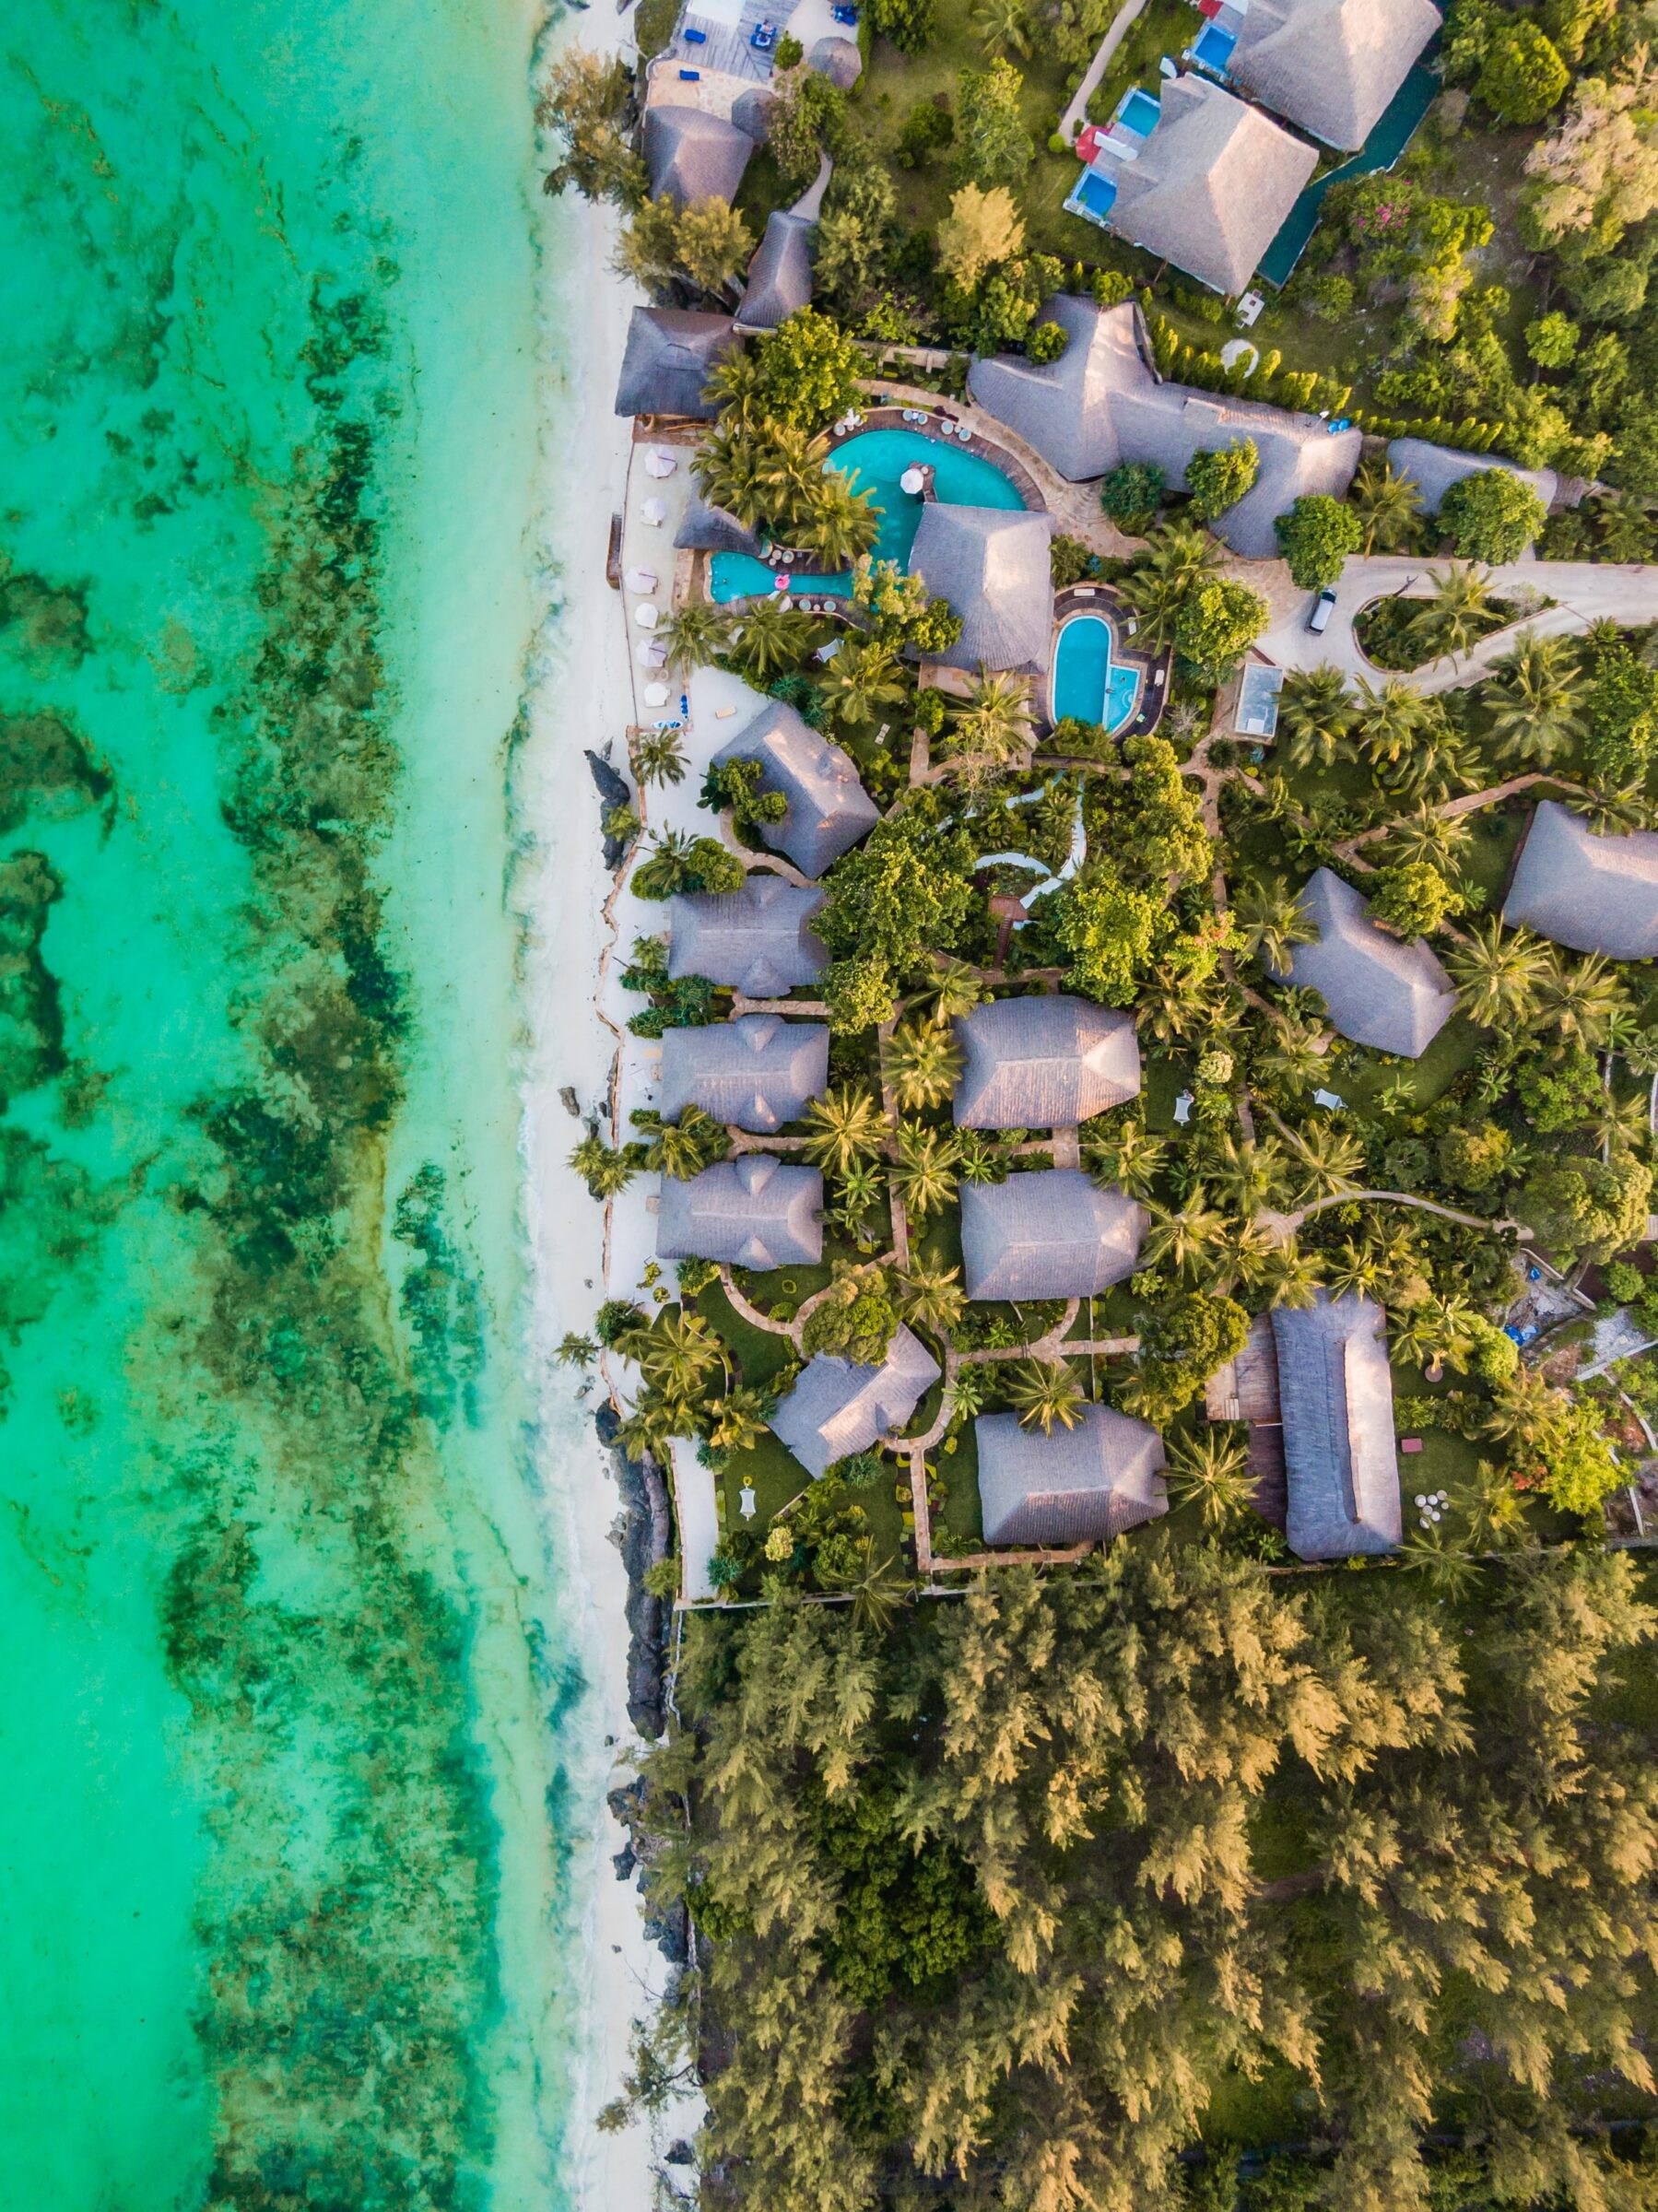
(580,696)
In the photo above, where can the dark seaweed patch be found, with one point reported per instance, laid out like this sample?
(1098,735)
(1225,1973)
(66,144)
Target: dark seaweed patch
(46,771)
(32,1021)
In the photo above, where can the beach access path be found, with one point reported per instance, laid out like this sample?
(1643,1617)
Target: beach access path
(1075,114)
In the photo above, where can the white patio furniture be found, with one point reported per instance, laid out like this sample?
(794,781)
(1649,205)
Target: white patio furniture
(650,655)
(656,695)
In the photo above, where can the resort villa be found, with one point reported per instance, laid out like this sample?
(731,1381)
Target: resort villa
(780,275)
(839,1406)
(1077,1485)
(829,808)
(1051,1234)
(670,355)
(994,567)
(1377,990)
(1044,1062)
(758,940)
(1336,1395)
(1329,66)
(1595,894)
(754,1211)
(755,1072)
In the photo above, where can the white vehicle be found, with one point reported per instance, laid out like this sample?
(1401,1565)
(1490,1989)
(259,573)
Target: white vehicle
(1324,607)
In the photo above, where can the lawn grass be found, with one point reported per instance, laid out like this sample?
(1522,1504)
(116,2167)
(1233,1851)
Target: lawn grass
(1360,1075)
(1163,27)
(654,24)
(1484,863)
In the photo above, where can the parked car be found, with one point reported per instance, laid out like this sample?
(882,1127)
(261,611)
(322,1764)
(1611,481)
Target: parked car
(1324,607)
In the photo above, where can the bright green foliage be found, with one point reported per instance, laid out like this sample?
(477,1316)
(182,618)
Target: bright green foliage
(856,1319)
(1412,899)
(1130,495)
(1587,1208)
(902,896)
(805,118)
(1523,76)
(704,245)
(677,863)
(899,610)
(1219,623)
(809,370)
(1181,1347)
(1569,1459)
(1218,480)
(1316,538)
(1552,340)
(908,23)
(1621,709)
(736,784)
(1560,1090)
(1491,516)
(982,230)
(585,101)
(909,1918)
(1473,1154)
(992,147)
(1047,341)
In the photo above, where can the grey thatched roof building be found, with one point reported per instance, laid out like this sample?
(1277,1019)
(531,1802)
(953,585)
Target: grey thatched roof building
(995,567)
(670,355)
(838,1408)
(839,60)
(1043,1062)
(1596,894)
(1336,1391)
(1052,1234)
(710,529)
(1103,403)
(1393,996)
(780,275)
(1433,469)
(693,155)
(750,1212)
(1077,1485)
(751,111)
(1211,187)
(829,808)
(760,940)
(1330,65)
(755,1072)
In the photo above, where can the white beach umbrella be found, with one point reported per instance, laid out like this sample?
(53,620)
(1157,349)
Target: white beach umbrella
(646,616)
(654,512)
(656,695)
(650,655)
(911,482)
(660,464)
(640,580)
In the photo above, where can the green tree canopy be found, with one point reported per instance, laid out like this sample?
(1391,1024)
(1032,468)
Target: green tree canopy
(1491,516)
(809,370)
(1219,623)
(1218,480)
(1523,75)
(1316,537)
(992,147)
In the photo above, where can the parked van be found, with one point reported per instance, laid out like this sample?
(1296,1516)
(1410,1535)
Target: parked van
(1324,607)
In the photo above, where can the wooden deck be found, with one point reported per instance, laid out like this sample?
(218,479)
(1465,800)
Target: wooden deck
(1246,1389)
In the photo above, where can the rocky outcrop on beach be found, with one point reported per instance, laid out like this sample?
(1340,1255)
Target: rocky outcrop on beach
(613,793)
(646,1534)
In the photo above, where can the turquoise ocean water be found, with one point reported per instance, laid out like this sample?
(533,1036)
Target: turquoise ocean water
(285,1678)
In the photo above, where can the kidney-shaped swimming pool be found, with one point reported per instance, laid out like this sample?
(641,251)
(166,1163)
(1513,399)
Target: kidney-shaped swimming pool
(1088,683)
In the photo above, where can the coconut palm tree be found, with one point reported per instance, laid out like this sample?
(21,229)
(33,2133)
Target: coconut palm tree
(1444,1562)
(1432,1331)
(1353,1267)
(771,637)
(729,466)
(792,472)
(1497,973)
(1184,1235)
(862,681)
(1610,813)
(858,1193)
(879,1596)
(1427,835)
(843,1126)
(979,1158)
(1534,692)
(685,1148)
(1250,1175)
(737,1421)
(1271,923)
(841,524)
(1210,1469)
(1003,27)
(696,635)
(737,389)
(924,1171)
(932,1298)
(1294,1060)
(1625,524)
(1458,614)
(653,1421)
(923,1063)
(1316,717)
(968,1388)
(1043,1392)
(1388,504)
(1177,556)
(1130,1158)
(1290,1277)
(952,989)
(1390,721)
(1330,1161)
(993,723)
(659,756)
(1443,758)
(680,1355)
(1522,1406)
(603,1171)
(1578,1000)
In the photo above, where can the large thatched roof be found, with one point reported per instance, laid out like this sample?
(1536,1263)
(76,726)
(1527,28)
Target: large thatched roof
(755,1072)
(1077,1485)
(993,565)
(829,808)
(1596,894)
(1047,1235)
(1336,1391)
(780,275)
(1330,65)
(759,939)
(692,155)
(838,1408)
(670,355)
(754,1211)
(1381,991)
(1043,1062)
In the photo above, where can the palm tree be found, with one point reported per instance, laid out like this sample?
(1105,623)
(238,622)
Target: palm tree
(1316,714)
(877,1595)
(1578,1000)
(1042,1392)
(923,1173)
(1295,1059)
(1177,558)
(858,1193)
(953,988)
(979,1158)
(649,1426)
(1271,923)
(1458,614)
(791,471)
(842,523)
(1443,1561)
(603,1171)
(1427,835)
(1523,1405)
(1388,505)
(1355,1267)
(1003,27)
(737,1421)
(968,1388)
(1533,693)
(932,1298)
(772,637)
(1626,527)
(1249,1175)
(577,1351)
(681,1354)
(1390,721)
(729,469)
(737,388)
(993,720)
(1331,1161)
(1289,1276)
(1211,1471)
(1443,760)
(659,756)
(1497,974)
(925,1063)
(696,635)
(1130,1158)
(844,1126)
(1183,1234)
(685,1148)
(862,681)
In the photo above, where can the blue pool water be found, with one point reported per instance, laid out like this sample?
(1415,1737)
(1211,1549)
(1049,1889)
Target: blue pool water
(1139,113)
(874,462)
(1094,194)
(1213,47)
(1088,684)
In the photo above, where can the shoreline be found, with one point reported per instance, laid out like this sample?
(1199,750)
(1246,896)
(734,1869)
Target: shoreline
(577,695)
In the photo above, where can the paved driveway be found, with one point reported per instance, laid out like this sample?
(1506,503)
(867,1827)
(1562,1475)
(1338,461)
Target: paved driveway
(1584,590)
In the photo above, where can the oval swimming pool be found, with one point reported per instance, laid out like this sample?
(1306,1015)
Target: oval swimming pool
(873,462)
(1088,684)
